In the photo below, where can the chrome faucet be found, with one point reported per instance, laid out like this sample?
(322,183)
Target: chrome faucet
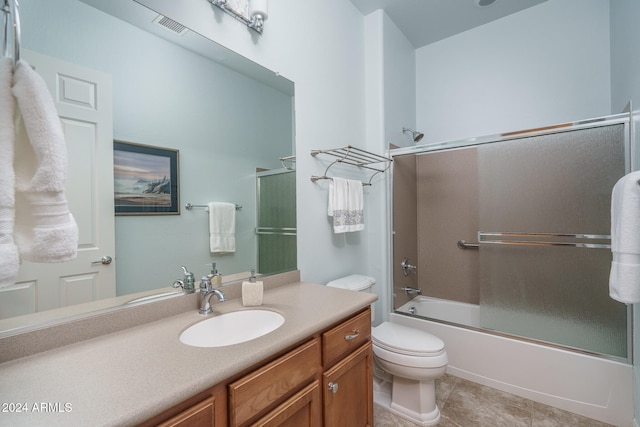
(206,292)
(409,290)
(406,267)
(188,283)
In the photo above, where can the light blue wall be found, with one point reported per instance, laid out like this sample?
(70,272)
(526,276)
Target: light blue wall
(319,46)
(545,65)
(390,105)
(625,54)
(224,124)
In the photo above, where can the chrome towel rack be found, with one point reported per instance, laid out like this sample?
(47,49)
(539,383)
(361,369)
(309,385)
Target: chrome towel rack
(190,206)
(288,162)
(353,156)
(602,241)
(11,18)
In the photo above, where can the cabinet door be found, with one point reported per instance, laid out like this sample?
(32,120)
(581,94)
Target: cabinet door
(348,391)
(301,410)
(256,393)
(200,415)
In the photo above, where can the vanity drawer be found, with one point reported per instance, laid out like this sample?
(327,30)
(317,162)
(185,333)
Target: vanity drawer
(265,387)
(346,337)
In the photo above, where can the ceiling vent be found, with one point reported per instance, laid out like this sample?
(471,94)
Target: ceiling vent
(171,25)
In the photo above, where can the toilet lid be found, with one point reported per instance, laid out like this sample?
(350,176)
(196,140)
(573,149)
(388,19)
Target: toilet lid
(405,340)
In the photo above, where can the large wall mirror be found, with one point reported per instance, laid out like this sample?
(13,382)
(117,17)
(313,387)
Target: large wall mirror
(230,119)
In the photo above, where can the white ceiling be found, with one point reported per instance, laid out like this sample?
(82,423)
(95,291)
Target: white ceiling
(427,21)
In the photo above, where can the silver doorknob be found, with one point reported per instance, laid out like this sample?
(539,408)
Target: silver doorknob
(106,260)
(333,387)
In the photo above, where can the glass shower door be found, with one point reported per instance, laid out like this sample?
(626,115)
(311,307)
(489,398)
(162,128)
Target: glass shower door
(276,230)
(544,254)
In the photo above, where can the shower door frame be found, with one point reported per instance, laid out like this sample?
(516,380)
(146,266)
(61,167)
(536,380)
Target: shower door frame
(631,147)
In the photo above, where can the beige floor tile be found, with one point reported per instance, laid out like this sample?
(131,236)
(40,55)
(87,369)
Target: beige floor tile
(548,416)
(464,403)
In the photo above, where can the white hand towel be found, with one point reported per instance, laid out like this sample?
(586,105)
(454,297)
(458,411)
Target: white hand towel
(222,227)
(346,205)
(624,278)
(9,259)
(45,230)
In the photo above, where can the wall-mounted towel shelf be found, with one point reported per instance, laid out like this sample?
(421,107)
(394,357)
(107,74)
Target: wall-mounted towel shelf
(189,206)
(355,157)
(288,162)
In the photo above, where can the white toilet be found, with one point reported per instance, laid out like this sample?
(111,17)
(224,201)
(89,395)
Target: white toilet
(407,363)
(411,360)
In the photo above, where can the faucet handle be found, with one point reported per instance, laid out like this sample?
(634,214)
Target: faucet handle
(205,283)
(188,282)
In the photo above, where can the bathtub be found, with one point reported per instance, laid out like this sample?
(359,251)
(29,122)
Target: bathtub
(591,386)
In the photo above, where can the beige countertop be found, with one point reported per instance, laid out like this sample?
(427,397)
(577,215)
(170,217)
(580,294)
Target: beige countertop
(127,377)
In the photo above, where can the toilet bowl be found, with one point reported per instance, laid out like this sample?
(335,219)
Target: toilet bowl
(411,360)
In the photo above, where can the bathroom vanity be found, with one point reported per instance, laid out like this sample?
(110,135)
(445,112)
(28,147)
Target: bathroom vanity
(324,381)
(313,370)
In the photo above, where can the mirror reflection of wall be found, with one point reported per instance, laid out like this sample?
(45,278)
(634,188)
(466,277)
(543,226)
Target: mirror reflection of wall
(224,124)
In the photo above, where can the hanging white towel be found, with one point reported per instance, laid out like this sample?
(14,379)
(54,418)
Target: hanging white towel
(346,205)
(9,259)
(222,227)
(45,230)
(624,278)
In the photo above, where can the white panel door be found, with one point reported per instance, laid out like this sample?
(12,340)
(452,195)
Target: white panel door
(83,98)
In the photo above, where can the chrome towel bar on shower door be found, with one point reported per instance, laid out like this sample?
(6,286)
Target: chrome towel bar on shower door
(550,239)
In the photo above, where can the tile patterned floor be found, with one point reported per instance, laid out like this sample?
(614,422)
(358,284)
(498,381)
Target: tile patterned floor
(463,403)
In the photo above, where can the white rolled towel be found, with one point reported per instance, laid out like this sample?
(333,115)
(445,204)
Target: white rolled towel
(624,278)
(45,230)
(9,259)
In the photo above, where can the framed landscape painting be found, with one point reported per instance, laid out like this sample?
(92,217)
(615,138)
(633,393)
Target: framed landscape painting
(145,179)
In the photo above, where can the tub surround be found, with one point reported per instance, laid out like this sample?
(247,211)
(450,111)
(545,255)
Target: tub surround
(130,375)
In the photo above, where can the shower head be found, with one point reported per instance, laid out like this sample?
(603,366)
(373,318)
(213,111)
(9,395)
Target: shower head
(417,136)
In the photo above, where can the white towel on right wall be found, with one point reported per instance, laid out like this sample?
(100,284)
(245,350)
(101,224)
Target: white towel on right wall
(346,205)
(624,278)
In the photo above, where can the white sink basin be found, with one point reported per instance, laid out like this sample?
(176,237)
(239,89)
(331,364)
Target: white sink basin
(232,328)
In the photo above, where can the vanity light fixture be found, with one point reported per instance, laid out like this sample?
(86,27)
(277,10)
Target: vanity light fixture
(252,13)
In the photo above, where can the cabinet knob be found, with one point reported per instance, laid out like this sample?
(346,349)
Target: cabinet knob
(333,387)
(353,335)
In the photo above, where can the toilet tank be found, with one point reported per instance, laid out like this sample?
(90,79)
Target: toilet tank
(355,282)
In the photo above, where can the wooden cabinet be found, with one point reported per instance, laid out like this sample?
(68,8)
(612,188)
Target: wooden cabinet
(199,415)
(302,409)
(326,381)
(256,393)
(347,378)
(346,337)
(348,391)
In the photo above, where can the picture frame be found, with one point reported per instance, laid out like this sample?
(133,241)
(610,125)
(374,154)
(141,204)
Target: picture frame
(145,179)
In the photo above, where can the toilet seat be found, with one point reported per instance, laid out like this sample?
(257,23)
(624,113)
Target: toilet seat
(407,341)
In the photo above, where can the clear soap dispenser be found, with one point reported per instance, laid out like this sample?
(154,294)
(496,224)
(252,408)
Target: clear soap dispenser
(252,291)
(214,276)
